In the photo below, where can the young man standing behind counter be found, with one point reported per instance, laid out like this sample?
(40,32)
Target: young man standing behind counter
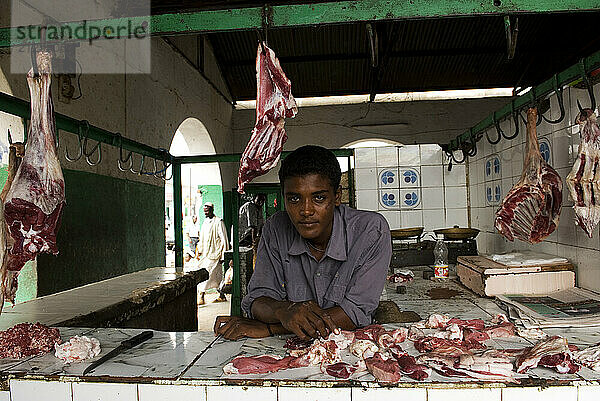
(320,265)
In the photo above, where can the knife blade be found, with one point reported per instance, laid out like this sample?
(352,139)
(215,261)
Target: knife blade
(124,346)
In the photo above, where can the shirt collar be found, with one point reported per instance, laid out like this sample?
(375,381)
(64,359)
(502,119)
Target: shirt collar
(336,248)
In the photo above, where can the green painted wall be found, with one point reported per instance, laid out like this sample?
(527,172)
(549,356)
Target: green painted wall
(214,194)
(109,227)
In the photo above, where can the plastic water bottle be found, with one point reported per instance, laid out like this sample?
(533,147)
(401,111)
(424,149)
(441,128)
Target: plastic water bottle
(440,254)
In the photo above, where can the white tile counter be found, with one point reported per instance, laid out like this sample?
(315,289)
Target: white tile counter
(179,366)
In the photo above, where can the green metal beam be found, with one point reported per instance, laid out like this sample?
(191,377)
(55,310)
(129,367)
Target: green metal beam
(235,157)
(290,15)
(538,92)
(21,108)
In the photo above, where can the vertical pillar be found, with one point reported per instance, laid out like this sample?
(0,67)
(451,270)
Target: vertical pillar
(351,193)
(236,302)
(177,216)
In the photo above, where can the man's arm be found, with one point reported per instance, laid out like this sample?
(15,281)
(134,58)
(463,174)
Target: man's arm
(305,319)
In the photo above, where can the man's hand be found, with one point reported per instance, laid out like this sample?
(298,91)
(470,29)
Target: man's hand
(306,320)
(234,327)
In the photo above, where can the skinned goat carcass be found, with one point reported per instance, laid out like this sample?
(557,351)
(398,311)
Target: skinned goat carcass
(7,278)
(531,209)
(34,200)
(274,102)
(584,179)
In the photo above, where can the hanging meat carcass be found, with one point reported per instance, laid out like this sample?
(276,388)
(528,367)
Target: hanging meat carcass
(274,102)
(530,211)
(584,179)
(35,198)
(15,154)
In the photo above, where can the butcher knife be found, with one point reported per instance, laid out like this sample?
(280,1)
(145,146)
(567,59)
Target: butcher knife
(125,345)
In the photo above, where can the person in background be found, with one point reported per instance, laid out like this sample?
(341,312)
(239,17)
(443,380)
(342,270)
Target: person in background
(194,233)
(320,265)
(251,220)
(212,244)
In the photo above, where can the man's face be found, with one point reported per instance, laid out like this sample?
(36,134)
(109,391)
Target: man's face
(208,211)
(310,201)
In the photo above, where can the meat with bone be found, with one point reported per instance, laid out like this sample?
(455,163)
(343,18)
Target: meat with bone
(584,179)
(531,209)
(36,197)
(476,324)
(555,353)
(274,103)
(363,348)
(27,339)
(8,278)
(589,357)
(385,370)
(434,321)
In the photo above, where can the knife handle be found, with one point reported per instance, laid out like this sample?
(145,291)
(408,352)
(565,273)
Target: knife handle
(140,338)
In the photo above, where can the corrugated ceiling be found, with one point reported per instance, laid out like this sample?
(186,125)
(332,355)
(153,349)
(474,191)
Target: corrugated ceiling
(414,55)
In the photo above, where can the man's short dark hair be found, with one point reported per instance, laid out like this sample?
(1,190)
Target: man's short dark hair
(311,159)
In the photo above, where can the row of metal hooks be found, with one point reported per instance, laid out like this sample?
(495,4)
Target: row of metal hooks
(468,148)
(124,163)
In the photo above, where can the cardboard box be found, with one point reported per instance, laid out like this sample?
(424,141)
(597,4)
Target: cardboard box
(488,278)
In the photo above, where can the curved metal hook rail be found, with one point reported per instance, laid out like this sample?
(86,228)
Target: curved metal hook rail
(88,154)
(515,116)
(140,171)
(129,157)
(471,151)
(588,86)
(80,153)
(561,102)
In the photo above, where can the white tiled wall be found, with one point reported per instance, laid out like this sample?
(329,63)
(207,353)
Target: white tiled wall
(411,186)
(27,390)
(563,139)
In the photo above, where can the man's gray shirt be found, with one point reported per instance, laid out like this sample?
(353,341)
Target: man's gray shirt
(351,274)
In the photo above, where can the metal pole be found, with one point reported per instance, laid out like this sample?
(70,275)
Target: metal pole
(177,217)
(236,301)
(351,194)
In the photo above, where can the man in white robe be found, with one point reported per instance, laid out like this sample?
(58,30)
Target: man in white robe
(212,244)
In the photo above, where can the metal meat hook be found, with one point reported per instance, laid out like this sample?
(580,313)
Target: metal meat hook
(588,86)
(80,153)
(88,154)
(561,102)
(498,131)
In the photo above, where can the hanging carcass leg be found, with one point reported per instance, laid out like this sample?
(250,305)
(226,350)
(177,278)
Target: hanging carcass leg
(531,209)
(584,179)
(35,199)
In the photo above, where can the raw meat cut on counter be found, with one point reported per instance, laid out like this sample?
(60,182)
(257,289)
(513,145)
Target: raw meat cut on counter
(77,349)
(589,357)
(34,201)
(257,364)
(531,209)
(584,179)
(274,103)
(385,370)
(28,339)
(552,352)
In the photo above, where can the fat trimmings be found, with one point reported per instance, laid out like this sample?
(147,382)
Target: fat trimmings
(77,349)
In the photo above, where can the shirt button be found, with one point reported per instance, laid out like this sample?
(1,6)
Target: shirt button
(337,274)
(318,274)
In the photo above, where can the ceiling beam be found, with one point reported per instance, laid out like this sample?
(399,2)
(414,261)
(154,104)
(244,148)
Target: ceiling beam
(292,15)
(501,51)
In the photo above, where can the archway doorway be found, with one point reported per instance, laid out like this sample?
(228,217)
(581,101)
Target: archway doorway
(200,183)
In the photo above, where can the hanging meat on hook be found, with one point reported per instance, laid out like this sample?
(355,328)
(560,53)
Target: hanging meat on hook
(584,179)
(15,154)
(274,102)
(34,200)
(530,211)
